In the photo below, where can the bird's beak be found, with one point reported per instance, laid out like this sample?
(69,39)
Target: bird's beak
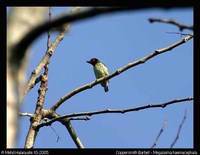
(88,62)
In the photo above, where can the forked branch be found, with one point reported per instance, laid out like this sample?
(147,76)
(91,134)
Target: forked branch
(173,22)
(122,111)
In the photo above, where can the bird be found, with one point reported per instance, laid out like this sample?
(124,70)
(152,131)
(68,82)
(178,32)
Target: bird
(100,70)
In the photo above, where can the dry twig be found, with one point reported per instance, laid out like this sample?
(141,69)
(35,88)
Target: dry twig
(179,130)
(119,71)
(159,134)
(122,111)
(170,21)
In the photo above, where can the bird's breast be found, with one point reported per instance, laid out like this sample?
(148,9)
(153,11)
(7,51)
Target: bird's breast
(100,71)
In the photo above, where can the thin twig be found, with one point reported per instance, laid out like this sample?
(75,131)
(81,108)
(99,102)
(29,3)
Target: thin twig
(25,114)
(58,137)
(122,111)
(170,21)
(66,122)
(179,130)
(79,118)
(48,32)
(48,114)
(37,117)
(159,134)
(182,34)
(20,49)
(119,71)
(31,82)
(44,63)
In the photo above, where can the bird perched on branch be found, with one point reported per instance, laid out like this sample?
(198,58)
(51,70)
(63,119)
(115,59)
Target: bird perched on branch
(100,70)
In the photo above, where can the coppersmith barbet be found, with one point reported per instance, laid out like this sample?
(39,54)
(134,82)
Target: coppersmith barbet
(100,70)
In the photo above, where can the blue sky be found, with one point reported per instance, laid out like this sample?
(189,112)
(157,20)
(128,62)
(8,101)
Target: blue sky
(117,39)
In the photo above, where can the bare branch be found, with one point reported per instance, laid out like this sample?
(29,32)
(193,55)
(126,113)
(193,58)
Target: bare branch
(21,47)
(24,18)
(80,118)
(119,71)
(170,21)
(181,34)
(58,137)
(37,80)
(179,130)
(159,134)
(48,32)
(38,115)
(31,82)
(66,122)
(25,114)
(122,111)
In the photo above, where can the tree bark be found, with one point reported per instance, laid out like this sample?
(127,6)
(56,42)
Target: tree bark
(20,21)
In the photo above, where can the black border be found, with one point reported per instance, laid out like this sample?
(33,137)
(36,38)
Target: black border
(4,4)
(196,75)
(3,76)
(149,3)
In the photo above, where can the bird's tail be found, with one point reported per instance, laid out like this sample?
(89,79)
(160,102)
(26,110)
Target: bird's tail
(106,89)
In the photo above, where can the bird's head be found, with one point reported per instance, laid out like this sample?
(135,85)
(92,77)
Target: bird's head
(93,61)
